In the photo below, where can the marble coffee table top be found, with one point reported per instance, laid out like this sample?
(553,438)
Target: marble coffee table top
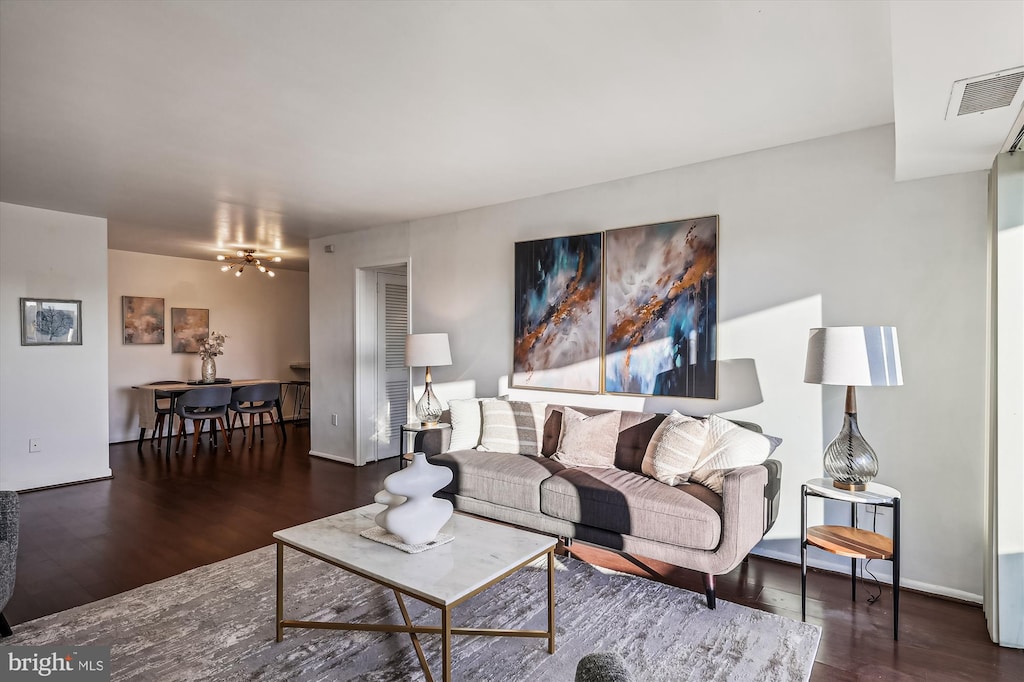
(481,553)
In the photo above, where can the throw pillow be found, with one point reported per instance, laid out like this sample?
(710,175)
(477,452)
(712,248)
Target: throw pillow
(588,441)
(512,426)
(729,446)
(467,423)
(675,448)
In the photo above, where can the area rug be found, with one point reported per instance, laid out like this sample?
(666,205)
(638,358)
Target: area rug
(217,623)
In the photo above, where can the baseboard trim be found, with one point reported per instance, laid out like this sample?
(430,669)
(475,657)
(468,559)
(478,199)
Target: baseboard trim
(65,485)
(332,457)
(905,583)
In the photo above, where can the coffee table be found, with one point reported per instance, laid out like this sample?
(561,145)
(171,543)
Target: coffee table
(482,554)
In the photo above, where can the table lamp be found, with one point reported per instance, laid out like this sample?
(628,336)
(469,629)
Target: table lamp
(851,357)
(427,350)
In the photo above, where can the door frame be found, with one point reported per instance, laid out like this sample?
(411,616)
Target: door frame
(365,354)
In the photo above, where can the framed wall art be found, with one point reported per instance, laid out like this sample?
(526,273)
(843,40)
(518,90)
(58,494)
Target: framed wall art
(51,322)
(189,328)
(143,320)
(557,343)
(661,309)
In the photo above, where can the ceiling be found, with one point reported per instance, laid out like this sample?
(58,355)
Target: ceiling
(200,127)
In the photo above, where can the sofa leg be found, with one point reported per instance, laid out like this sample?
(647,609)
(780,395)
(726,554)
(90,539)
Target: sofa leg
(709,589)
(567,544)
(5,627)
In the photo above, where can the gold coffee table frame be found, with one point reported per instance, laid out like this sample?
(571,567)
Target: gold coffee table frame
(445,630)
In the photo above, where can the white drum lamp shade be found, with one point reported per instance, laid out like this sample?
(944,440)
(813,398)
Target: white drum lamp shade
(852,356)
(428,350)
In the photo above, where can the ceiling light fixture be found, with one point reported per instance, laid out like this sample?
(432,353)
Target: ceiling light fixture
(246,257)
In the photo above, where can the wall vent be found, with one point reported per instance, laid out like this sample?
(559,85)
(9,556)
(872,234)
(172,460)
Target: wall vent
(983,93)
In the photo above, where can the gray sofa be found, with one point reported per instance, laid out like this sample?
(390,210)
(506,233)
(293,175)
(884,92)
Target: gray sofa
(621,509)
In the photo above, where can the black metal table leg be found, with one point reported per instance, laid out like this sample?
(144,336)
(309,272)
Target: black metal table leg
(803,553)
(896,568)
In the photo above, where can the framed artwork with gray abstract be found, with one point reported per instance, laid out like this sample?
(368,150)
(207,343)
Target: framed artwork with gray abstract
(661,309)
(51,322)
(143,319)
(557,343)
(189,328)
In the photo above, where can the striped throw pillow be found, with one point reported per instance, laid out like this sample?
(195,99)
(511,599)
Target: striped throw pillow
(675,448)
(512,426)
(729,447)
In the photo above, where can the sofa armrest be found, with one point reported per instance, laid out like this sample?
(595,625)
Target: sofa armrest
(747,512)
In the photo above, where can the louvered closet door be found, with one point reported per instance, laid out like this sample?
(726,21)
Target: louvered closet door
(392,374)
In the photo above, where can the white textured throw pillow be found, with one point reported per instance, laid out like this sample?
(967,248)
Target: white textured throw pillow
(512,426)
(467,423)
(675,448)
(729,446)
(588,441)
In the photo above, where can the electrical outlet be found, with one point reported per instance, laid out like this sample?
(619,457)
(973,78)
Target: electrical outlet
(33,445)
(334,420)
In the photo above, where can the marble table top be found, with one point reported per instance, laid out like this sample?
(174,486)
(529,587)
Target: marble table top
(875,493)
(479,555)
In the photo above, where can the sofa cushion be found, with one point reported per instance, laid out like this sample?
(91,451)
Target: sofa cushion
(675,448)
(588,440)
(511,426)
(728,447)
(467,423)
(629,503)
(635,431)
(498,477)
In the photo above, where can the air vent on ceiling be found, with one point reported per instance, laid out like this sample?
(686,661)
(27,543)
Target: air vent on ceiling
(984,93)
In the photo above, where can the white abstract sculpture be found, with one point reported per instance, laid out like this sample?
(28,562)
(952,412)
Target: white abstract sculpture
(413,513)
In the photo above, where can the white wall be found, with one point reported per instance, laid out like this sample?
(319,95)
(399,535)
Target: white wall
(810,233)
(57,394)
(332,328)
(266,320)
(1004,595)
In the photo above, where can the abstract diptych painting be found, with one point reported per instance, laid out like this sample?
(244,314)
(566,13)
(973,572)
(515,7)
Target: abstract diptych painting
(661,309)
(558,314)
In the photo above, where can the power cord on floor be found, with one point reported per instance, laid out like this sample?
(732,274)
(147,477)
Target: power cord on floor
(872,598)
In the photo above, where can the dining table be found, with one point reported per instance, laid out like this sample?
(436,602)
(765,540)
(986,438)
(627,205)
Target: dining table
(173,390)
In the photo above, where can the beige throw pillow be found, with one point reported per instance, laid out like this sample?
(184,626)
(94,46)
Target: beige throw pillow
(728,447)
(512,426)
(467,423)
(588,441)
(675,448)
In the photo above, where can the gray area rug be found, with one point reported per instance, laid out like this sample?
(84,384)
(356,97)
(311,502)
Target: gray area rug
(217,623)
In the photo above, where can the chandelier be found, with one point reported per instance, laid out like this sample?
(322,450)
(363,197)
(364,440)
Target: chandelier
(247,257)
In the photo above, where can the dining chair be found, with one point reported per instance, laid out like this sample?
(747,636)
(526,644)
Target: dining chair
(202,405)
(162,410)
(257,399)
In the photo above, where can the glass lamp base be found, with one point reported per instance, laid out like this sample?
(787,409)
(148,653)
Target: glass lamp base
(428,408)
(849,460)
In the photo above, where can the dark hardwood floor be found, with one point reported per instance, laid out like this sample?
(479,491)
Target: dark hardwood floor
(159,517)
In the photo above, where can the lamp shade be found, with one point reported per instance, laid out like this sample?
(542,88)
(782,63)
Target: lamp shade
(427,350)
(853,356)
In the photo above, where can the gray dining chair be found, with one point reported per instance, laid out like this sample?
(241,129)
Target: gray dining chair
(162,409)
(257,399)
(201,405)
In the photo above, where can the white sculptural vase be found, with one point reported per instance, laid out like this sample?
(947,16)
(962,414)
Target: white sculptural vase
(413,513)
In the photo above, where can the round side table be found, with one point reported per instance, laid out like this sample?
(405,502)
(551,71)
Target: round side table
(850,541)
